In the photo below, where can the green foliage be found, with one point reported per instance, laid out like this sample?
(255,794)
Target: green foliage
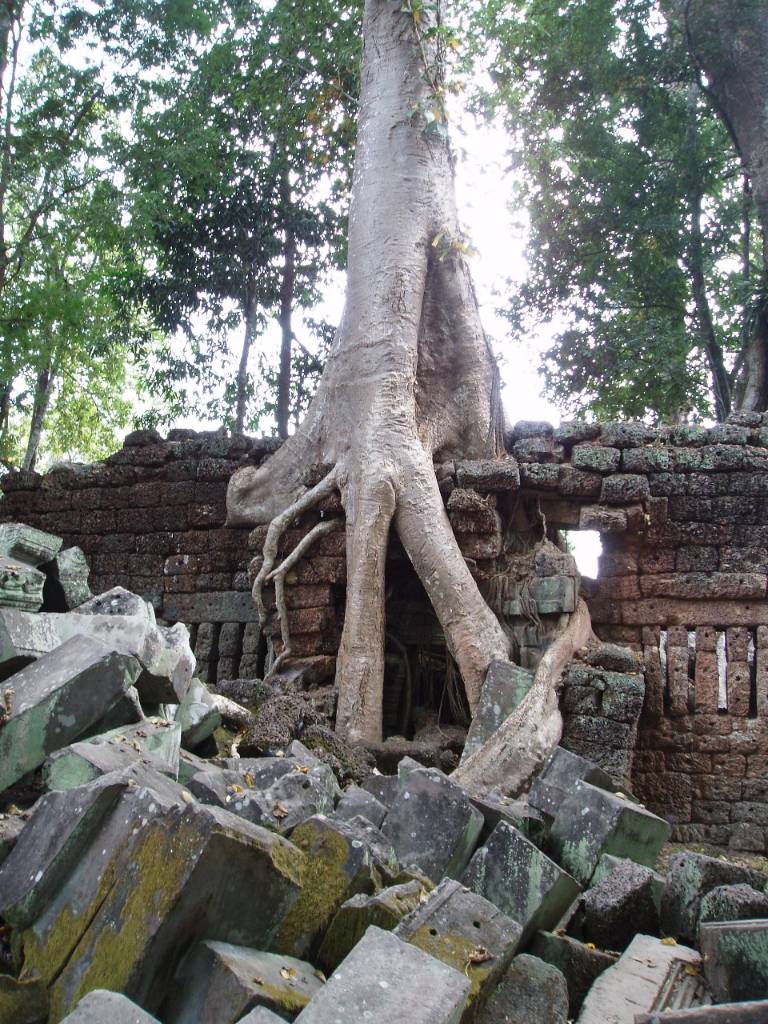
(620,170)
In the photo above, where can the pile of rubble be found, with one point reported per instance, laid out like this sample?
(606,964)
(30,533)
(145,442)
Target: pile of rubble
(145,877)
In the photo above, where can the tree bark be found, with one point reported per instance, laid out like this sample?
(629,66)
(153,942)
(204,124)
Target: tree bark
(729,40)
(410,375)
(287,286)
(250,316)
(43,391)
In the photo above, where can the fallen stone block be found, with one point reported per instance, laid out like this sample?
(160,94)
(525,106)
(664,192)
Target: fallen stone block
(727,1013)
(127,624)
(11,826)
(690,877)
(21,586)
(620,906)
(217,983)
(356,801)
(127,710)
(205,874)
(51,702)
(646,972)
(103,1007)
(591,822)
(518,813)
(503,688)
(261,1015)
(609,863)
(735,959)
(521,880)
(530,992)
(189,765)
(338,864)
(558,777)
(385,909)
(23,1002)
(730,903)
(466,932)
(385,788)
(67,584)
(278,793)
(197,714)
(578,963)
(432,824)
(155,743)
(27,544)
(384,980)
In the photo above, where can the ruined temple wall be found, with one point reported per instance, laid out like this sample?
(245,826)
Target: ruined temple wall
(683,516)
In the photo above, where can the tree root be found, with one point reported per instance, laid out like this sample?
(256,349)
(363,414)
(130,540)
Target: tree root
(513,755)
(277,528)
(278,577)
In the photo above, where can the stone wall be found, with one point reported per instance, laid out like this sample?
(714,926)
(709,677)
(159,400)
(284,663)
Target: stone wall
(683,516)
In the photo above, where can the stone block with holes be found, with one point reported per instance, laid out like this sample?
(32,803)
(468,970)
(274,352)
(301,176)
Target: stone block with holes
(466,932)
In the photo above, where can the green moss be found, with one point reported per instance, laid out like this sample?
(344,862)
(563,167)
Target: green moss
(324,886)
(459,953)
(23,1002)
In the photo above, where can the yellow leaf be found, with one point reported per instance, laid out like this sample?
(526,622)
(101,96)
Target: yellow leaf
(669,942)
(288,972)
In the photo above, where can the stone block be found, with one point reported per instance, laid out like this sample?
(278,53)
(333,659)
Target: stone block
(620,905)
(726,1013)
(197,715)
(634,984)
(591,822)
(191,865)
(217,983)
(690,877)
(604,520)
(432,824)
(489,475)
(338,864)
(521,880)
(733,903)
(384,980)
(468,933)
(504,687)
(530,992)
(625,489)
(261,1015)
(385,909)
(101,1006)
(68,580)
(596,457)
(579,964)
(153,743)
(27,544)
(357,801)
(558,776)
(735,959)
(552,595)
(21,586)
(56,699)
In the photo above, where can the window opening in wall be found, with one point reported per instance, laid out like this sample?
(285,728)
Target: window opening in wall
(664,670)
(586,548)
(722,672)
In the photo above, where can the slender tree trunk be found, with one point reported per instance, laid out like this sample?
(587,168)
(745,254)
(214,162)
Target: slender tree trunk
(729,40)
(287,287)
(721,387)
(250,317)
(410,375)
(43,392)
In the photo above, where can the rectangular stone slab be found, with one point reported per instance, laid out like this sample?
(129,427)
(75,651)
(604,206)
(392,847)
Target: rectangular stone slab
(28,544)
(385,981)
(633,985)
(591,822)
(558,776)
(521,880)
(504,687)
(57,698)
(726,1013)
(735,958)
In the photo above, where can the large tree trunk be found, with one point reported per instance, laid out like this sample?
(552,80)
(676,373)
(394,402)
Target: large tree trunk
(287,287)
(729,39)
(410,375)
(42,400)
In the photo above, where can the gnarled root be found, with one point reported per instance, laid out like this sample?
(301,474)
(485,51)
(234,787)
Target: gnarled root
(513,755)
